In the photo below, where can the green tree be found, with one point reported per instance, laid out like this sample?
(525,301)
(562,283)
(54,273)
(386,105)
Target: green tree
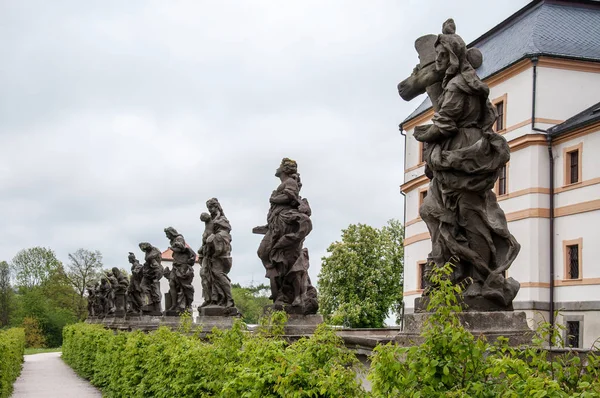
(83,268)
(361,279)
(250,300)
(34,266)
(5,294)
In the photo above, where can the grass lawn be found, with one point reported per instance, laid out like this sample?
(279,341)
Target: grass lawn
(31,351)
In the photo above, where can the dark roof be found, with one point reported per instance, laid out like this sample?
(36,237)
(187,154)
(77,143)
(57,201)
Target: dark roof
(543,27)
(589,116)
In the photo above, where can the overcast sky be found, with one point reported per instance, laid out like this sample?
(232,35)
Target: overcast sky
(120,118)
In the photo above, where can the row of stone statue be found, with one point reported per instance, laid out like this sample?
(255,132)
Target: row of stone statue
(281,252)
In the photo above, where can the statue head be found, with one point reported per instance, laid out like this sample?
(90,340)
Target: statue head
(115,271)
(287,166)
(214,208)
(205,217)
(145,246)
(171,232)
(131,258)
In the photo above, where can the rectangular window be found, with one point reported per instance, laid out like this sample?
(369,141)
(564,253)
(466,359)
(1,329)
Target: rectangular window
(573,167)
(573,261)
(573,329)
(421,271)
(499,126)
(502,181)
(422,196)
(423,148)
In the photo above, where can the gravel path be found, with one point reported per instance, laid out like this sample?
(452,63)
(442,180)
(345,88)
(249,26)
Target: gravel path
(46,375)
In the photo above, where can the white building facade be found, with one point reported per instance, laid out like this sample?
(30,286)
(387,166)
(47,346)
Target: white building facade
(542,65)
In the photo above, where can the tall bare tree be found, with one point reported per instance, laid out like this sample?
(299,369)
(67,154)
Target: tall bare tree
(83,269)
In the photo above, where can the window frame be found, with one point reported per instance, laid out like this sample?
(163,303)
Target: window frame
(573,318)
(566,260)
(421,274)
(567,155)
(506,180)
(500,100)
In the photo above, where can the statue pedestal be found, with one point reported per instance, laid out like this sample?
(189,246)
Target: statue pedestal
(217,310)
(469,304)
(491,324)
(120,304)
(298,324)
(152,310)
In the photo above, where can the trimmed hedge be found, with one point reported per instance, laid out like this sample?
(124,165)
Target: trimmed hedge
(232,363)
(12,347)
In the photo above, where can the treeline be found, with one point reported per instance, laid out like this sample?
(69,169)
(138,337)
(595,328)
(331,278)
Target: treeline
(41,294)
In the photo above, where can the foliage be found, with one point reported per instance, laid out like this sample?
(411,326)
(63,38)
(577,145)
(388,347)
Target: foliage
(83,269)
(45,305)
(452,363)
(6,294)
(12,345)
(250,301)
(34,266)
(34,337)
(231,363)
(361,280)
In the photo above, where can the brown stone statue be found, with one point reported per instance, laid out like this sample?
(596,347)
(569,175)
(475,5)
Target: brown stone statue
(180,277)
(152,271)
(91,300)
(135,291)
(119,284)
(281,251)
(105,296)
(215,255)
(463,157)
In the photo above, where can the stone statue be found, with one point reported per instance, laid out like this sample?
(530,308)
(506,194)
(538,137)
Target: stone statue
(152,271)
(463,157)
(106,296)
(91,299)
(119,284)
(135,291)
(180,277)
(98,305)
(215,255)
(281,251)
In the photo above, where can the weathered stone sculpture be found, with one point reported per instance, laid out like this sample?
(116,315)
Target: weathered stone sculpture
(119,284)
(106,296)
(180,277)
(135,291)
(281,251)
(91,299)
(215,256)
(152,271)
(463,156)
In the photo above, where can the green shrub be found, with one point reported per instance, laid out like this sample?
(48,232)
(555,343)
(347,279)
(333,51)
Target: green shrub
(452,363)
(231,363)
(12,346)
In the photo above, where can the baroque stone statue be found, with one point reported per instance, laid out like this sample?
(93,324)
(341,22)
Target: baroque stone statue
(152,271)
(135,291)
(105,296)
(91,299)
(215,257)
(281,249)
(119,284)
(463,156)
(180,277)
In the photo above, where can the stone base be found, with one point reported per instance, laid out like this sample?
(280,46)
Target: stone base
(469,304)
(207,322)
(491,324)
(177,312)
(302,324)
(218,311)
(289,309)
